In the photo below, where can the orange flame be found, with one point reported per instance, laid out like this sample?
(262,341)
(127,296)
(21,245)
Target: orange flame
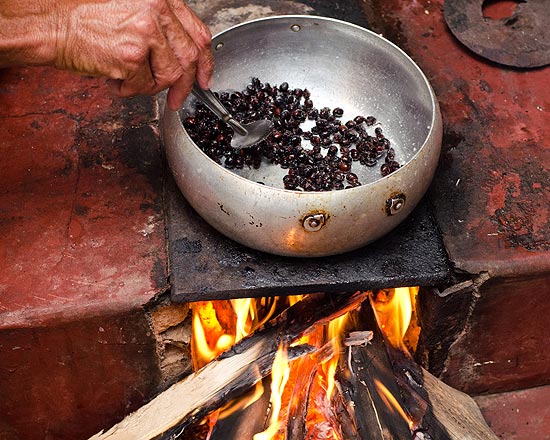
(279,377)
(335,331)
(393,309)
(391,402)
(208,334)
(218,325)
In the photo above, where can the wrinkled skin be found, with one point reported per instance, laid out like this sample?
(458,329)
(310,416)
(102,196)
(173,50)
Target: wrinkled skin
(143,46)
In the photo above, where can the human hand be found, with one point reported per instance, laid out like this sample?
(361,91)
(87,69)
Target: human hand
(144,46)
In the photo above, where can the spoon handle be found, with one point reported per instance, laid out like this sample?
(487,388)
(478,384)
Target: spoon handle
(214,104)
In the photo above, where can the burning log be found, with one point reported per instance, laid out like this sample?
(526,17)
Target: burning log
(434,410)
(233,372)
(299,399)
(364,373)
(437,411)
(243,424)
(392,397)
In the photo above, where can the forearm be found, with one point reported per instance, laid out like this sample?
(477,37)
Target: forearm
(28,31)
(144,46)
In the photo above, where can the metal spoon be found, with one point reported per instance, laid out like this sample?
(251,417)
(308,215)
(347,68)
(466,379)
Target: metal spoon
(246,135)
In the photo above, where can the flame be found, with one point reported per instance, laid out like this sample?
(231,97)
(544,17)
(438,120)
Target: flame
(335,331)
(207,332)
(245,316)
(217,326)
(394,309)
(391,402)
(279,378)
(293,299)
(244,402)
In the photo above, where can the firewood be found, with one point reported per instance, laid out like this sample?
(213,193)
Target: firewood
(436,410)
(365,364)
(456,412)
(345,413)
(431,409)
(300,394)
(232,373)
(375,419)
(243,424)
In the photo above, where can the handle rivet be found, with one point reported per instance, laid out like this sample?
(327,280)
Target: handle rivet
(395,204)
(313,222)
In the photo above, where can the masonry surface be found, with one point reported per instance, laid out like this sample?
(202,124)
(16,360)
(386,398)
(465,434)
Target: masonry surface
(82,232)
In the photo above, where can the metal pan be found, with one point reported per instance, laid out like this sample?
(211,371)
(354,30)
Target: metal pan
(342,65)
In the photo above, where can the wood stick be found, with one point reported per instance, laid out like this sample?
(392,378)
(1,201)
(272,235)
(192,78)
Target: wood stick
(370,364)
(456,412)
(231,373)
(344,410)
(300,394)
(435,408)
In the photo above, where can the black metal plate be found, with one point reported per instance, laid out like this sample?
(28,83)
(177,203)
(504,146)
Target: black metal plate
(521,40)
(205,265)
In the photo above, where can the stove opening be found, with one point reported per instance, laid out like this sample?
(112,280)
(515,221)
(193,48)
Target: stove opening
(315,366)
(309,395)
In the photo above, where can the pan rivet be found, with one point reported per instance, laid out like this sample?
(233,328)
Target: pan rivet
(219,46)
(314,222)
(394,204)
(295,28)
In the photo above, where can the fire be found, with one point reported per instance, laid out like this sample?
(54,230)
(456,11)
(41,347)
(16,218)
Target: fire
(391,402)
(279,378)
(208,334)
(335,331)
(217,325)
(394,309)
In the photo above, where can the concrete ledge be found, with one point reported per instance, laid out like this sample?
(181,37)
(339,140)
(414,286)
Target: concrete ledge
(81,253)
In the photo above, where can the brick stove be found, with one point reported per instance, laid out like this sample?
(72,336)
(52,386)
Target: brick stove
(88,330)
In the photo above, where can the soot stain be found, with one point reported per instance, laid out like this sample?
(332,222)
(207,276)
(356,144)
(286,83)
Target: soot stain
(186,246)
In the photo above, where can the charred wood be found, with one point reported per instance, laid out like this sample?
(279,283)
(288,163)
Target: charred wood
(243,424)
(416,405)
(344,409)
(436,410)
(364,368)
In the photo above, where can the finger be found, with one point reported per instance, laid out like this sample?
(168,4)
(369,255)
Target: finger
(201,36)
(138,82)
(178,92)
(168,72)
